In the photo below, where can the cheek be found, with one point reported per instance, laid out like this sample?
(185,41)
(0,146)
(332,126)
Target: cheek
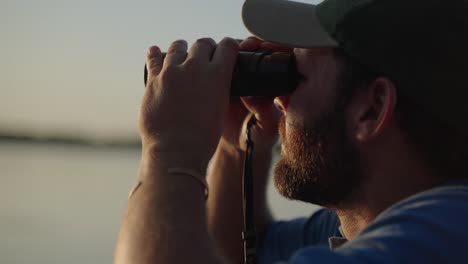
(308,102)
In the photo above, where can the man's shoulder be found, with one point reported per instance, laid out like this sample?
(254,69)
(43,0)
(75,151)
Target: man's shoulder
(446,198)
(428,227)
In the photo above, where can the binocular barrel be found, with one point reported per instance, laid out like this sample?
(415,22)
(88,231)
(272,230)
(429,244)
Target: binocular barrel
(262,74)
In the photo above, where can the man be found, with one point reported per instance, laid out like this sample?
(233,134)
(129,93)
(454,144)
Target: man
(375,132)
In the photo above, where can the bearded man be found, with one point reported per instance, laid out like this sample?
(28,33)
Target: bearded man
(375,132)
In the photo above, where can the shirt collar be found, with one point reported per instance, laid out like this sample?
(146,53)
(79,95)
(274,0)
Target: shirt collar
(336,242)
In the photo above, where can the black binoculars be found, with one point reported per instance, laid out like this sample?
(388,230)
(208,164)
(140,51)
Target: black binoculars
(265,74)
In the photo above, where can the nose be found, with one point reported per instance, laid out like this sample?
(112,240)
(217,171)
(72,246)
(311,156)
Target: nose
(282,102)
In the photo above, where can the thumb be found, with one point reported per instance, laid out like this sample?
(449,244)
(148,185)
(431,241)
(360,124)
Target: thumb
(263,108)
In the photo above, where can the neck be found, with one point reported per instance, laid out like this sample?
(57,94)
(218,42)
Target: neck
(383,186)
(357,214)
(352,223)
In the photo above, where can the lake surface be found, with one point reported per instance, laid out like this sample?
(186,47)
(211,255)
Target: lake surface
(62,203)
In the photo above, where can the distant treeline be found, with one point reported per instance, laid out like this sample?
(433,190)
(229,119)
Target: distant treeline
(68,141)
(82,142)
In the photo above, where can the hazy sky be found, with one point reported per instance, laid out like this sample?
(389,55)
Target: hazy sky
(76,67)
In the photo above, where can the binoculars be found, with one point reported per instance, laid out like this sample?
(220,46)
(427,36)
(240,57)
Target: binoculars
(262,74)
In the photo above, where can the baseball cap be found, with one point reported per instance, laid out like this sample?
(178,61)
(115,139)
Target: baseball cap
(421,45)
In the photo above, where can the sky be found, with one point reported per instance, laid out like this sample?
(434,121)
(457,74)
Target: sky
(74,69)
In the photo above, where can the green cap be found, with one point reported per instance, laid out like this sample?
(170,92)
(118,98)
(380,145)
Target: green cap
(421,45)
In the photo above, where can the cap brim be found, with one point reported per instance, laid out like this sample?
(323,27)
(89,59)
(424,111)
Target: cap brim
(287,23)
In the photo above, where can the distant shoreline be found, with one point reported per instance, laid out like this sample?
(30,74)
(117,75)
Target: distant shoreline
(84,142)
(70,141)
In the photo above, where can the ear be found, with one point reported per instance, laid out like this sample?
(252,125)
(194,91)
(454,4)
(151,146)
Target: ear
(373,109)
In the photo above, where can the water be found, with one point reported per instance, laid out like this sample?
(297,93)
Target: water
(63,203)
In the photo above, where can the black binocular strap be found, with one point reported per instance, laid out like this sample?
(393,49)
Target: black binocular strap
(249,235)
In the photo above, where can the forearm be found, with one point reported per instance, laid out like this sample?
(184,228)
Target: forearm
(165,221)
(225,215)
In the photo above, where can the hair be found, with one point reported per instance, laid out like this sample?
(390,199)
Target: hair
(443,148)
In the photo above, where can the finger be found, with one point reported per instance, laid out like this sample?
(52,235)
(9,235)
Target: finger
(225,55)
(253,43)
(202,50)
(176,53)
(154,61)
(275,47)
(250,44)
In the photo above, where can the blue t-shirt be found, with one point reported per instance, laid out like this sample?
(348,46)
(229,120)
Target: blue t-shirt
(428,227)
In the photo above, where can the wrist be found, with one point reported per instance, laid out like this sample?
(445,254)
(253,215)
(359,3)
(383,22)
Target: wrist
(174,158)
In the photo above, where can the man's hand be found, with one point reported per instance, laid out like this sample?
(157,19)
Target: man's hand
(187,98)
(181,121)
(265,133)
